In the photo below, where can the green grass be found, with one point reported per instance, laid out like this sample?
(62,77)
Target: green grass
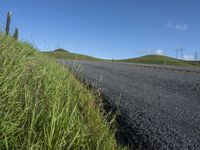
(194,63)
(43,106)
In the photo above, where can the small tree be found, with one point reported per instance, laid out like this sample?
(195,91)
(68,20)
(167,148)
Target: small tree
(16,34)
(8,23)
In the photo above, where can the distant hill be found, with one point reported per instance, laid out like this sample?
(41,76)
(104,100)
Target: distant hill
(64,54)
(147,59)
(158,59)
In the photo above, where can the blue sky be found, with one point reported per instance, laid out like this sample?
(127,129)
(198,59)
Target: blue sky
(108,28)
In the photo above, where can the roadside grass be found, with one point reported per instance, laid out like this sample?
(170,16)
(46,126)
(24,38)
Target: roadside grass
(43,106)
(194,63)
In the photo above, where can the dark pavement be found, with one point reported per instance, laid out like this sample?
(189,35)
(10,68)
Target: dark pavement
(162,105)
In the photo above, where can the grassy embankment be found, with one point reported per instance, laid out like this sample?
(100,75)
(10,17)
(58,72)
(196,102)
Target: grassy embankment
(42,105)
(148,59)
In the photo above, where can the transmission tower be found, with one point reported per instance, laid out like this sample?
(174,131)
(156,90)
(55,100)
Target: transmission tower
(179,51)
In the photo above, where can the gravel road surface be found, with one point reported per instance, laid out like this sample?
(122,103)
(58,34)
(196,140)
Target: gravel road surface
(161,106)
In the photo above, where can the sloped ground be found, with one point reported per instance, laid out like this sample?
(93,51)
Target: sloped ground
(42,105)
(158,59)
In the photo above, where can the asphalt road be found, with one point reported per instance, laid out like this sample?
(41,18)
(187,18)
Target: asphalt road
(161,105)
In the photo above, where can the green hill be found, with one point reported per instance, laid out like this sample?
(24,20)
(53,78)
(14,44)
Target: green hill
(158,59)
(64,54)
(148,59)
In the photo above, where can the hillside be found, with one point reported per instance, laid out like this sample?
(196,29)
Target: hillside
(148,59)
(64,54)
(157,59)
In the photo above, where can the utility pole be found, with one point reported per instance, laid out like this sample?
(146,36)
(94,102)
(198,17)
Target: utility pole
(182,54)
(16,34)
(8,23)
(176,53)
(196,57)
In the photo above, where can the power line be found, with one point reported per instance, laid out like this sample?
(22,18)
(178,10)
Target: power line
(196,56)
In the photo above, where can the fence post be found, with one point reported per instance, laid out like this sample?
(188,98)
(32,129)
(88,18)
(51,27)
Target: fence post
(8,23)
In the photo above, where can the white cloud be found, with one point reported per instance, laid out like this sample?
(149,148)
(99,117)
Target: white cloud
(159,52)
(176,26)
(151,51)
(188,57)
